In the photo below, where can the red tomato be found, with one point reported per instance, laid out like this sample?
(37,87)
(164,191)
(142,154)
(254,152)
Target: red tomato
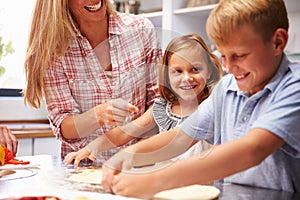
(8,154)
(17,162)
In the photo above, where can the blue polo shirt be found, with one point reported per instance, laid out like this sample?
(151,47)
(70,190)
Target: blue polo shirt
(229,114)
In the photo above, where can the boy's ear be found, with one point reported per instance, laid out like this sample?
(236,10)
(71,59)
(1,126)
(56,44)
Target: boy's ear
(280,39)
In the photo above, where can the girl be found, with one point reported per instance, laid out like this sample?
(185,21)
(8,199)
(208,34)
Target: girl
(187,75)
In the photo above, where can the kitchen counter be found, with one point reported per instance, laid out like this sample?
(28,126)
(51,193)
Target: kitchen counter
(49,178)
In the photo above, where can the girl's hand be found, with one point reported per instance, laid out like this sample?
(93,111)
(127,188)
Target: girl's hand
(78,156)
(114,112)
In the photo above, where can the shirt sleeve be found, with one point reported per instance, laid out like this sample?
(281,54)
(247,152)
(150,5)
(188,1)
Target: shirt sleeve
(204,123)
(200,124)
(281,116)
(60,102)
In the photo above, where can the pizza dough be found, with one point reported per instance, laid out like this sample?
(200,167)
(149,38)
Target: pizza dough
(87,175)
(193,192)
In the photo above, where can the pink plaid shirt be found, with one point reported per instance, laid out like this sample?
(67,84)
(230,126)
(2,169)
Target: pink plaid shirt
(76,82)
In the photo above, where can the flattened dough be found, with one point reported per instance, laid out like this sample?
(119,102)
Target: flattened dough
(87,175)
(193,192)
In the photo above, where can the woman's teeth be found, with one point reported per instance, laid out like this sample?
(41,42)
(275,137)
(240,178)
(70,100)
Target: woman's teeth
(94,8)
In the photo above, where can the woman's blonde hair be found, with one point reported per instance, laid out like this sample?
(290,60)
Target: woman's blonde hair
(52,27)
(265,16)
(191,41)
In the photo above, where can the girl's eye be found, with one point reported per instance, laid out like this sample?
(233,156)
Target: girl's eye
(176,71)
(196,69)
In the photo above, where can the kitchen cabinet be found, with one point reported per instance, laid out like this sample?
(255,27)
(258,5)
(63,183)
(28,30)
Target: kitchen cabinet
(175,19)
(29,125)
(39,146)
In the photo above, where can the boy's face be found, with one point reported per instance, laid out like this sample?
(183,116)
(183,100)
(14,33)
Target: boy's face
(252,61)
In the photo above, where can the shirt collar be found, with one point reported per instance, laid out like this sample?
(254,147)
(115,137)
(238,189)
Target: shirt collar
(115,26)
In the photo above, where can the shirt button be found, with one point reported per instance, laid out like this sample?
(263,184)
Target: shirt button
(245,118)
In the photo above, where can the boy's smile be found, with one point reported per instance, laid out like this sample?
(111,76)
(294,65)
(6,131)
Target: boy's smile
(249,59)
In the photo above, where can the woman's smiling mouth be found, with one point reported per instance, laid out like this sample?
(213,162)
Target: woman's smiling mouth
(94,8)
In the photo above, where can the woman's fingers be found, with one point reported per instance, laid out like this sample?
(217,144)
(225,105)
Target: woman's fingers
(8,140)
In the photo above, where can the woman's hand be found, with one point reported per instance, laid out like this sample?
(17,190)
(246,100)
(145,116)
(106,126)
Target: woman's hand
(8,140)
(114,112)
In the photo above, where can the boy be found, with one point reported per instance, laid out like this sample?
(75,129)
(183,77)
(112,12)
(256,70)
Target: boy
(252,116)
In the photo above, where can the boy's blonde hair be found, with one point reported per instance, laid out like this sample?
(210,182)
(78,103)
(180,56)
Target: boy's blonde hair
(265,16)
(51,30)
(191,42)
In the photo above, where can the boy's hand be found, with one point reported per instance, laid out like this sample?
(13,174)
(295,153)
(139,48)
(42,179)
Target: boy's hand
(122,161)
(107,177)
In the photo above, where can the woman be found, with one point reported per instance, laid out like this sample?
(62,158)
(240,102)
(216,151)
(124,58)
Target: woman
(84,58)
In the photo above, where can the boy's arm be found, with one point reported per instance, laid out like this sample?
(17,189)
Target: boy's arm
(223,160)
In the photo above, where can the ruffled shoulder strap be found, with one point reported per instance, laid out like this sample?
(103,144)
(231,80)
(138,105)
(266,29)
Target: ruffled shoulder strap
(163,115)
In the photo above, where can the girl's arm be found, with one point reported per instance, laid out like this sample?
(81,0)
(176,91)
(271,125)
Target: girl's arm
(118,136)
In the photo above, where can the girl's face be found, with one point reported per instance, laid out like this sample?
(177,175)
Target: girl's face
(188,73)
(88,11)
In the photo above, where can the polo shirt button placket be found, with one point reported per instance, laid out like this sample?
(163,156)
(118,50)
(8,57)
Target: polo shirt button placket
(245,118)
